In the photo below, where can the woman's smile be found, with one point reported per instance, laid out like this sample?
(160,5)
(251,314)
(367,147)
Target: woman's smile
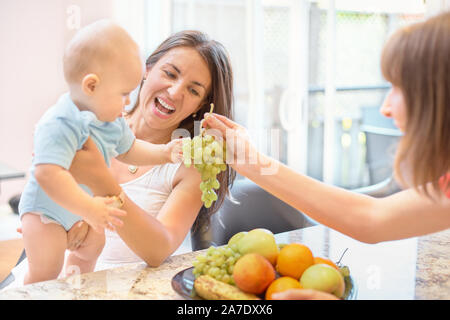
(162,108)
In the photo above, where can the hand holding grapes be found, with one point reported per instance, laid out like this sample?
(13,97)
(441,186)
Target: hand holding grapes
(239,146)
(207,153)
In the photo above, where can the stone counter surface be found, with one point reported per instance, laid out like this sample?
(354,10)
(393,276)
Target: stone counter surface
(416,268)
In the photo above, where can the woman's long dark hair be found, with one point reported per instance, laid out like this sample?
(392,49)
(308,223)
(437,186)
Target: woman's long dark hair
(221,93)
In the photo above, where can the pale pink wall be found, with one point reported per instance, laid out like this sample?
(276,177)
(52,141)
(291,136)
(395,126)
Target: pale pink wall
(33,35)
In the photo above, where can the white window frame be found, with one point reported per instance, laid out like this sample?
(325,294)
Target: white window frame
(294,102)
(148,22)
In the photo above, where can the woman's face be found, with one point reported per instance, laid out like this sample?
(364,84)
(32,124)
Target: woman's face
(175,87)
(394,107)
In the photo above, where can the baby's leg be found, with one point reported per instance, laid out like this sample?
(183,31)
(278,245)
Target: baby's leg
(45,245)
(85,257)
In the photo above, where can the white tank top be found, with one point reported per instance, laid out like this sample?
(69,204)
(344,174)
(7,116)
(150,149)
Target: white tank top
(150,191)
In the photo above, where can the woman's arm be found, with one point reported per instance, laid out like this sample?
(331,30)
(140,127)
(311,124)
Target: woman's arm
(364,218)
(156,239)
(152,239)
(401,215)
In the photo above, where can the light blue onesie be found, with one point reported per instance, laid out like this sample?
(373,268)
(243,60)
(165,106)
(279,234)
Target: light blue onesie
(58,135)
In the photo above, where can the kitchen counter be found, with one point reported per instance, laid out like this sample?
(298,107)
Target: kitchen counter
(416,268)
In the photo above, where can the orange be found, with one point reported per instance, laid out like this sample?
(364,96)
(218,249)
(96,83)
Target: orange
(280,285)
(293,259)
(318,260)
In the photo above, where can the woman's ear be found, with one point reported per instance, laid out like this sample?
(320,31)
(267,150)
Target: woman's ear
(90,83)
(200,107)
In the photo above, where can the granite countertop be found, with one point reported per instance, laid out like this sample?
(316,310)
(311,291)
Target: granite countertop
(416,268)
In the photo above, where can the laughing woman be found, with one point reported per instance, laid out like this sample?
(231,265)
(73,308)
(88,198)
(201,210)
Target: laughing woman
(186,73)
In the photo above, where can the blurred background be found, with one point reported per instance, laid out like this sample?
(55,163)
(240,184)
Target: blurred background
(307,77)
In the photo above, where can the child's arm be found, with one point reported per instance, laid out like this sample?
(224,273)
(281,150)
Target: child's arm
(62,188)
(143,153)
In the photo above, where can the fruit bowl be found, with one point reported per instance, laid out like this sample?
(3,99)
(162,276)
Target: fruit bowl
(183,284)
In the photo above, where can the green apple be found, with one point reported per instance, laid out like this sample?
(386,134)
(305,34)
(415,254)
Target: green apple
(234,239)
(325,278)
(259,241)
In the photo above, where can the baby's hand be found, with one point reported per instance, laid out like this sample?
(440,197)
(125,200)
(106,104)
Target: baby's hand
(103,214)
(174,150)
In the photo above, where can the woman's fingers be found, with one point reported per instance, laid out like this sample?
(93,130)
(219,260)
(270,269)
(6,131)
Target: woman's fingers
(229,123)
(116,222)
(113,220)
(117,212)
(218,124)
(76,235)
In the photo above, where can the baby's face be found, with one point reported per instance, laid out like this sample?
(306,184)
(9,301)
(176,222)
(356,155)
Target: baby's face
(116,84)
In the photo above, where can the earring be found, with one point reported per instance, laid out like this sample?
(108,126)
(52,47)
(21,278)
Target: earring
(194,115)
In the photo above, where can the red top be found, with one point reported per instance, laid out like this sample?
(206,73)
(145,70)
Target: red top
(444,183)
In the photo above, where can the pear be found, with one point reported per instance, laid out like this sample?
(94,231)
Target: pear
(234,239)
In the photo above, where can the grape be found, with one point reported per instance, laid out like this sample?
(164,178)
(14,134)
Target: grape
(226,278)
(217,262)
(215,184)
(207,154)
(228,252)
(345,271)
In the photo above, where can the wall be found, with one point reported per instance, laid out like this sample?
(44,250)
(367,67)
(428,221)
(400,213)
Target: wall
(33,35)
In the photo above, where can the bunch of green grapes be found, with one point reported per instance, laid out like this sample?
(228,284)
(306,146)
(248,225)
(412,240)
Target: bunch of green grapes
(217,262)
(207,154)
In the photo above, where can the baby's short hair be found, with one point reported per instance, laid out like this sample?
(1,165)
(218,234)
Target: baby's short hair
(93,47)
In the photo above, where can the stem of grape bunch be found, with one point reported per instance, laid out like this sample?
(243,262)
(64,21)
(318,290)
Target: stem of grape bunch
(207,153)
(202,129)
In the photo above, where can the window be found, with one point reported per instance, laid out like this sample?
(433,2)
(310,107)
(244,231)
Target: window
(307,78)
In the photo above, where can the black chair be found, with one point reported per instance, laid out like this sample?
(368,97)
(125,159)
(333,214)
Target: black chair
(382,138)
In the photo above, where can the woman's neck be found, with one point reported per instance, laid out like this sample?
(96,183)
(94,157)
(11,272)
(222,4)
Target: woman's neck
(143,132)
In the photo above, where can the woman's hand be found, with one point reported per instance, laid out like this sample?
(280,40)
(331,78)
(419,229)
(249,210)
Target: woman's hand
(239,146)
(303,294)
(76,235)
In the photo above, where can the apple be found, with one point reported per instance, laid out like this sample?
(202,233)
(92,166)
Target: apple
(259,241)
(234,239)
(325,278)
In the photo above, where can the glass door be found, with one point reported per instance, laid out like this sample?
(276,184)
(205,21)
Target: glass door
(349,143)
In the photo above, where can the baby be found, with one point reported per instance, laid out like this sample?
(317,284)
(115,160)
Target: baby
(102,65)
